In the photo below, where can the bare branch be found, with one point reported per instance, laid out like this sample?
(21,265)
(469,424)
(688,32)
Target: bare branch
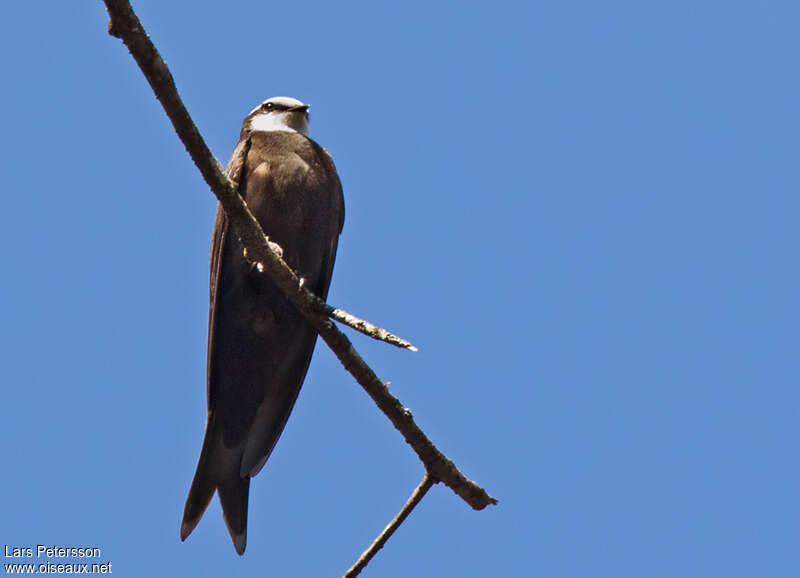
(367,328)
(435,461)
(125,25)
(341,315)
(419,492)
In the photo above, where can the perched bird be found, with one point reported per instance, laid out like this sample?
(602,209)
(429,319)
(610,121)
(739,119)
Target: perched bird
(259,345)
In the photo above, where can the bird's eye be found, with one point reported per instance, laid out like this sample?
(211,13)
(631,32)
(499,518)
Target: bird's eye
(267,106)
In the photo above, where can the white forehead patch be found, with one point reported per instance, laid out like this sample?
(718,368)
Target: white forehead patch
(287,101)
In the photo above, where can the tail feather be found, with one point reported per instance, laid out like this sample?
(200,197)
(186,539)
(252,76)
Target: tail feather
(233,495)
(218,470)
(200,495)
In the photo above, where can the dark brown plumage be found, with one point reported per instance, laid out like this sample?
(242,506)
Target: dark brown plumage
(259,345)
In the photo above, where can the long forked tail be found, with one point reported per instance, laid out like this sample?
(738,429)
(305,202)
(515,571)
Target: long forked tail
(218,470)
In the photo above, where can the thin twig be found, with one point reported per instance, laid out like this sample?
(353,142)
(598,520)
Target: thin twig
(342,316)
(367,328)
(125,25)
(419,492)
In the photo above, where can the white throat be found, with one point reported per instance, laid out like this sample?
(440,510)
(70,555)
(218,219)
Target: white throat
(275,122)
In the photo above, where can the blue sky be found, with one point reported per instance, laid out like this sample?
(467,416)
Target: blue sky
(584,214)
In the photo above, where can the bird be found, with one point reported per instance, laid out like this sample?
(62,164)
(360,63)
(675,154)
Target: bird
(259,344)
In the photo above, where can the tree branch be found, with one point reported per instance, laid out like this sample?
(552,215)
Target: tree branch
(367,328)
(125,25)
(419,493)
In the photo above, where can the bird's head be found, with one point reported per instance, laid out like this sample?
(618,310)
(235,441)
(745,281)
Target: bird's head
(281,113)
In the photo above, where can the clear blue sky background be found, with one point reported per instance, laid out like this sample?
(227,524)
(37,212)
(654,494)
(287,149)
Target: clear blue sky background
(584,213)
